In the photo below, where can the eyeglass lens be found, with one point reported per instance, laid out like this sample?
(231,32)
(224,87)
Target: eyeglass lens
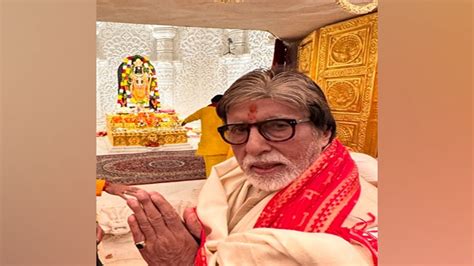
(274,130)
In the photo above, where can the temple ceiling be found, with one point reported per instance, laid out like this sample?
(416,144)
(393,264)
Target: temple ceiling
(288,20)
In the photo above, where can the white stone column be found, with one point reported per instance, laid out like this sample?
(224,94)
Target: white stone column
(239,41)
(164,36)
(163,62)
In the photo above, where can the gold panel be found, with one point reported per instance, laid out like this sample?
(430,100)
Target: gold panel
(346,132)
(346,70)
(372,134)
(347,49)
(343,62)
(306,54)
(345,95)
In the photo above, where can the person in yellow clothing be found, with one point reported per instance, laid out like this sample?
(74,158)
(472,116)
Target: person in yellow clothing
(211,146)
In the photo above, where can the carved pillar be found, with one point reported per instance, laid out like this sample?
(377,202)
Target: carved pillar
(237,40)
(164,36)
(163,62)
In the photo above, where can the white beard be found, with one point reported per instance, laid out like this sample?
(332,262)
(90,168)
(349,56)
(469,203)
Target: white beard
(284,177)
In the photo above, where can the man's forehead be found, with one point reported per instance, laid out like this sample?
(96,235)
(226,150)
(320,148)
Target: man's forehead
(262,109)
(261,104)
(252,107)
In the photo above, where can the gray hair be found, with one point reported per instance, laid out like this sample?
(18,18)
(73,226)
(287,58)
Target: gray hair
(290,87)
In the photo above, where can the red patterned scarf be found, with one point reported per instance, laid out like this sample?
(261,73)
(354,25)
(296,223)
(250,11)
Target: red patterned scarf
(317,201)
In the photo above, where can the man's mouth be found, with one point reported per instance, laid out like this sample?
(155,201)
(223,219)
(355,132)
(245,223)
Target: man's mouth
(265,168)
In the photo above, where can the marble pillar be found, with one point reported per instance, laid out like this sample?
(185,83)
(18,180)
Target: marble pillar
(163,62)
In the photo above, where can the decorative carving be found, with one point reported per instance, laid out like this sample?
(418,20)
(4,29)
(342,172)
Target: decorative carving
(358,9)
(359,118)
(166,77)
(349,134)
(305,56)
(364,27)
(348,72)
(346,94)
(261,46)
(237,44)
(161,32)
(234,67)
(164,42)
(345,133)
(304,64)
(341,95)
(346,48)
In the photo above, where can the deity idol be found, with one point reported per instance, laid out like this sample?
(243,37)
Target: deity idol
(137,84)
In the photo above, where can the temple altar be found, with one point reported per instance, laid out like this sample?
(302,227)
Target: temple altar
(144,129)
(138,119)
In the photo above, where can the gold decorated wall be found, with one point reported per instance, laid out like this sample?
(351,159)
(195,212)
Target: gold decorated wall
(342,59)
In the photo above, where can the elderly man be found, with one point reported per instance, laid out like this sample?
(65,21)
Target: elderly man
(291,195)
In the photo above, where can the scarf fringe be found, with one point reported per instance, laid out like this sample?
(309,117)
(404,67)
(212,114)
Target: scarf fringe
(359,234)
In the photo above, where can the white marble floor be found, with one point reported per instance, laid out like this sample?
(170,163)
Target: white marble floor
(117,246)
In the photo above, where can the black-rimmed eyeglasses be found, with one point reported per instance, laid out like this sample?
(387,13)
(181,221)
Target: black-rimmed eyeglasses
(276,130)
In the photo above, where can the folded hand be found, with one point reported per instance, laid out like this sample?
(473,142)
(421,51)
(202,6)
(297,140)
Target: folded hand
(167,240)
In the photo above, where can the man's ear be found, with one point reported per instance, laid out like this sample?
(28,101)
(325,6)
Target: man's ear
(325,136)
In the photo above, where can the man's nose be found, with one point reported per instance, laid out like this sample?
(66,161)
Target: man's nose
(256,143)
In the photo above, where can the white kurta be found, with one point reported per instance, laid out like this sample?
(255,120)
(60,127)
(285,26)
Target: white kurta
(229,207)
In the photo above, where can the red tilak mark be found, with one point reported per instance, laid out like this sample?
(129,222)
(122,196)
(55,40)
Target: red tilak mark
(252,115)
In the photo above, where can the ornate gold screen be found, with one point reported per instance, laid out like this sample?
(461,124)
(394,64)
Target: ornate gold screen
(342,59)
